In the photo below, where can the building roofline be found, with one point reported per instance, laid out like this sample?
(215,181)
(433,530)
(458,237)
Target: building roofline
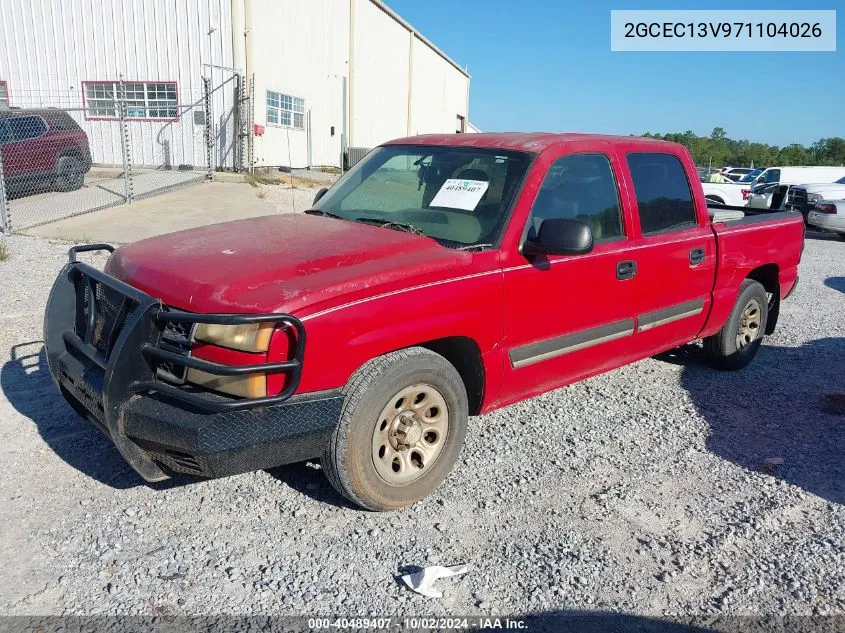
(381,5)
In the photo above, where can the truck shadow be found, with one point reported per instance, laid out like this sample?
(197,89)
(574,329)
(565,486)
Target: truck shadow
(27,384)
(837,283)
(789,404)
(310,481)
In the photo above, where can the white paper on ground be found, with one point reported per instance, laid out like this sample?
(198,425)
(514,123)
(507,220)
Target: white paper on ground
(423,581)
(460,194)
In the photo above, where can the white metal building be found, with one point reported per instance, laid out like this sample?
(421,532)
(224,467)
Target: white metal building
(323,76)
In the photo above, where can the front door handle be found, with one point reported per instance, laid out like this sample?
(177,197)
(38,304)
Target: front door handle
(696,256)
(626,269)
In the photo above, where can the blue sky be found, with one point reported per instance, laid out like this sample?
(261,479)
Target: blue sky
(547,65)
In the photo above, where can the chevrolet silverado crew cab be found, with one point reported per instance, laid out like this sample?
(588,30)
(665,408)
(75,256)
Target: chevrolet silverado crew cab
(442,277)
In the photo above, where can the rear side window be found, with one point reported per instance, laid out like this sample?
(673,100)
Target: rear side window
(663,193)
(26,127)
(580,187)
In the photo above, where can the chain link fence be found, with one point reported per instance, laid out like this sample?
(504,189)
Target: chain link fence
(112,143)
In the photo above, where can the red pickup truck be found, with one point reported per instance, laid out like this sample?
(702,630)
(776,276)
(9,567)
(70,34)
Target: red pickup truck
(442,277)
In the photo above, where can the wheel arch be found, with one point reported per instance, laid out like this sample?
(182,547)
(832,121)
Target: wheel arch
(768,275)
(465,356)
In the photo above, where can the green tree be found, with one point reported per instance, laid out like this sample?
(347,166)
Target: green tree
(720,150)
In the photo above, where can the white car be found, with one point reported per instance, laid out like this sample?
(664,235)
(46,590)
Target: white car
(829,215)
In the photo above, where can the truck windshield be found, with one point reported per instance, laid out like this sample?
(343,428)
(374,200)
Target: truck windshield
(458,196)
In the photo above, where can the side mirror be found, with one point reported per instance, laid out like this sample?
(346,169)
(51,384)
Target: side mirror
(320,194)
(558,236)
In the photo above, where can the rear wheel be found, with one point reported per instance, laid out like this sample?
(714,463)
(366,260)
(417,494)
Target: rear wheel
(70,174)
(402,427)
(736,344)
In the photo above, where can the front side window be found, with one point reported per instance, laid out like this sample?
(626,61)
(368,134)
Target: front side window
(4,94)
(459,196)
(285,110)
(580,187)
(141,100)
(663,193)
(26,127)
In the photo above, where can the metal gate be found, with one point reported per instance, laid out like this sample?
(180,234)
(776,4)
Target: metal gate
(61,157)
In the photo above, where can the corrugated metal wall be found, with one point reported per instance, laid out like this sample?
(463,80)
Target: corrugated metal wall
(439,92)
(49,47)
(380,76)
(300,49)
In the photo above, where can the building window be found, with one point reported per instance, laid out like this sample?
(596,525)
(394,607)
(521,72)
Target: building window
(285,110)
(4,94)
(143,100)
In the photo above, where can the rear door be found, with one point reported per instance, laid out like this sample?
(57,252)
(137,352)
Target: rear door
(673,250)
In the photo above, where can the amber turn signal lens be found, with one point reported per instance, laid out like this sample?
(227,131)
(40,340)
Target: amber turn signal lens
(252,337)
(250,386)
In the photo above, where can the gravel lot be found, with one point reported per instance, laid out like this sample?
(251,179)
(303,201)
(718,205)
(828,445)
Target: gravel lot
(641,491)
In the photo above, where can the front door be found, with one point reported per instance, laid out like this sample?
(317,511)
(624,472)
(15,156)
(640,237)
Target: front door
(570,316)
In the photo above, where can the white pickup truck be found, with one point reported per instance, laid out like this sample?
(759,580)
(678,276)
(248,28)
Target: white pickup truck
(733,194)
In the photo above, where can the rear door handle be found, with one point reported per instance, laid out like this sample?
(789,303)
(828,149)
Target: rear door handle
(696,256)
(626,269)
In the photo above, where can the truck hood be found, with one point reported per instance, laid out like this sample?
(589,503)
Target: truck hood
(276,263)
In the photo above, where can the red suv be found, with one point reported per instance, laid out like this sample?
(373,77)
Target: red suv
(44,145)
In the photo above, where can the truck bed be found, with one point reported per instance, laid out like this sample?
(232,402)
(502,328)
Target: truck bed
(749,246)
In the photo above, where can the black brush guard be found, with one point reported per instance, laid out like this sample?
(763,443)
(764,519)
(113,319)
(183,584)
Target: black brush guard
(109,345)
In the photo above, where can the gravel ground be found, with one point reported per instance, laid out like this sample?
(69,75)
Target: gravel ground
(642,491)
(306,184)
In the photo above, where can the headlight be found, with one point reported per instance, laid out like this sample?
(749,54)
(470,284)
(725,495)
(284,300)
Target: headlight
(814,197)
(252,337)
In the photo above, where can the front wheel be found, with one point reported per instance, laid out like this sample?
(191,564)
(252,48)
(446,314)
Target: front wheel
(401,429)
(736,344)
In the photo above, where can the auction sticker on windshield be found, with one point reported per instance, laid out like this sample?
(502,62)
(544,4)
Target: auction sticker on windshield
(460,194)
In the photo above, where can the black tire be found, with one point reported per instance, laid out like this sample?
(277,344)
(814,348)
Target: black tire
(723,349)
(715,199)
(70,174)
(348,460)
